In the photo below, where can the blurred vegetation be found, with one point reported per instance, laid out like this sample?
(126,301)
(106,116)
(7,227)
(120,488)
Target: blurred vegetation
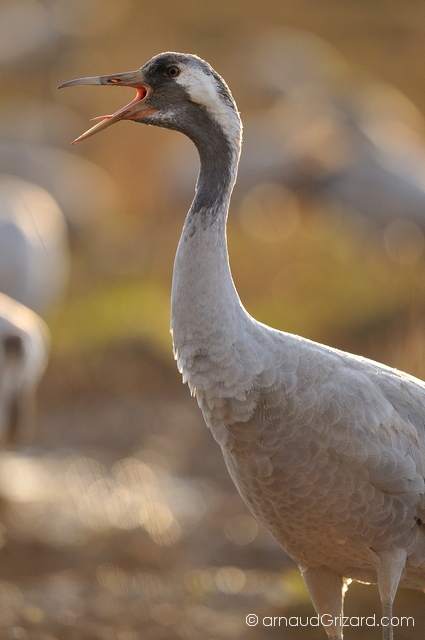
(112,314)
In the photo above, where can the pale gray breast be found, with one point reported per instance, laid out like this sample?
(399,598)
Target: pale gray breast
(325,446)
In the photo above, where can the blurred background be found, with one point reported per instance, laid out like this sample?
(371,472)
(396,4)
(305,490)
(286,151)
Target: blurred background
(120,522)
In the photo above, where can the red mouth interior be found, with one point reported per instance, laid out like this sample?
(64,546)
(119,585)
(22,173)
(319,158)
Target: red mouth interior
(140,95)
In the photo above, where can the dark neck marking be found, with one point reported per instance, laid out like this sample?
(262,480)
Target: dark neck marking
(218,160)
(218,165)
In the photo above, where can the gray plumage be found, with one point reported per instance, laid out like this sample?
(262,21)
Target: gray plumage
(33,245)
(326,448)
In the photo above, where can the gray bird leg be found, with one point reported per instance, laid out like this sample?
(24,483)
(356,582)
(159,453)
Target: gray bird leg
(21,417)
(389,570)
(327,590)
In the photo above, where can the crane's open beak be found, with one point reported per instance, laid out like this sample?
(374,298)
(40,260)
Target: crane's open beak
(134,110)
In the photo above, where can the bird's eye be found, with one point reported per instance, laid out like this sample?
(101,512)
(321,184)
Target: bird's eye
(173,72)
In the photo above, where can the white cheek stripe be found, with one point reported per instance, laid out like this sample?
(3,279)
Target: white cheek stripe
(203,90)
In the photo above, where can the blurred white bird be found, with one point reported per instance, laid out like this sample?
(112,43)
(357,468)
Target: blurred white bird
(34,261)
(24,348)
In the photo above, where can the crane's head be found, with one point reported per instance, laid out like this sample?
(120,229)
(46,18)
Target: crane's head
(175,91)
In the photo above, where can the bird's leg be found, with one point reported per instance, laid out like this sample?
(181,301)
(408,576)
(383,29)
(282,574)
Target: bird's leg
(327,589)
(21,417)
(389,569)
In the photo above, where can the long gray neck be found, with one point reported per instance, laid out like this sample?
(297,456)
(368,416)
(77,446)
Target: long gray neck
(204,303)
(219,158)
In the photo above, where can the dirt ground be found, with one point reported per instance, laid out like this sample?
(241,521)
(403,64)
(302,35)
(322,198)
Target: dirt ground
(121,523)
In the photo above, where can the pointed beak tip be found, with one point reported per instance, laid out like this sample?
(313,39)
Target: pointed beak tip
(62,85)
(65,84)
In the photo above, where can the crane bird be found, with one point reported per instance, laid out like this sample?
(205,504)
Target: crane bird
(24,348)
(327,449)
(33,244)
